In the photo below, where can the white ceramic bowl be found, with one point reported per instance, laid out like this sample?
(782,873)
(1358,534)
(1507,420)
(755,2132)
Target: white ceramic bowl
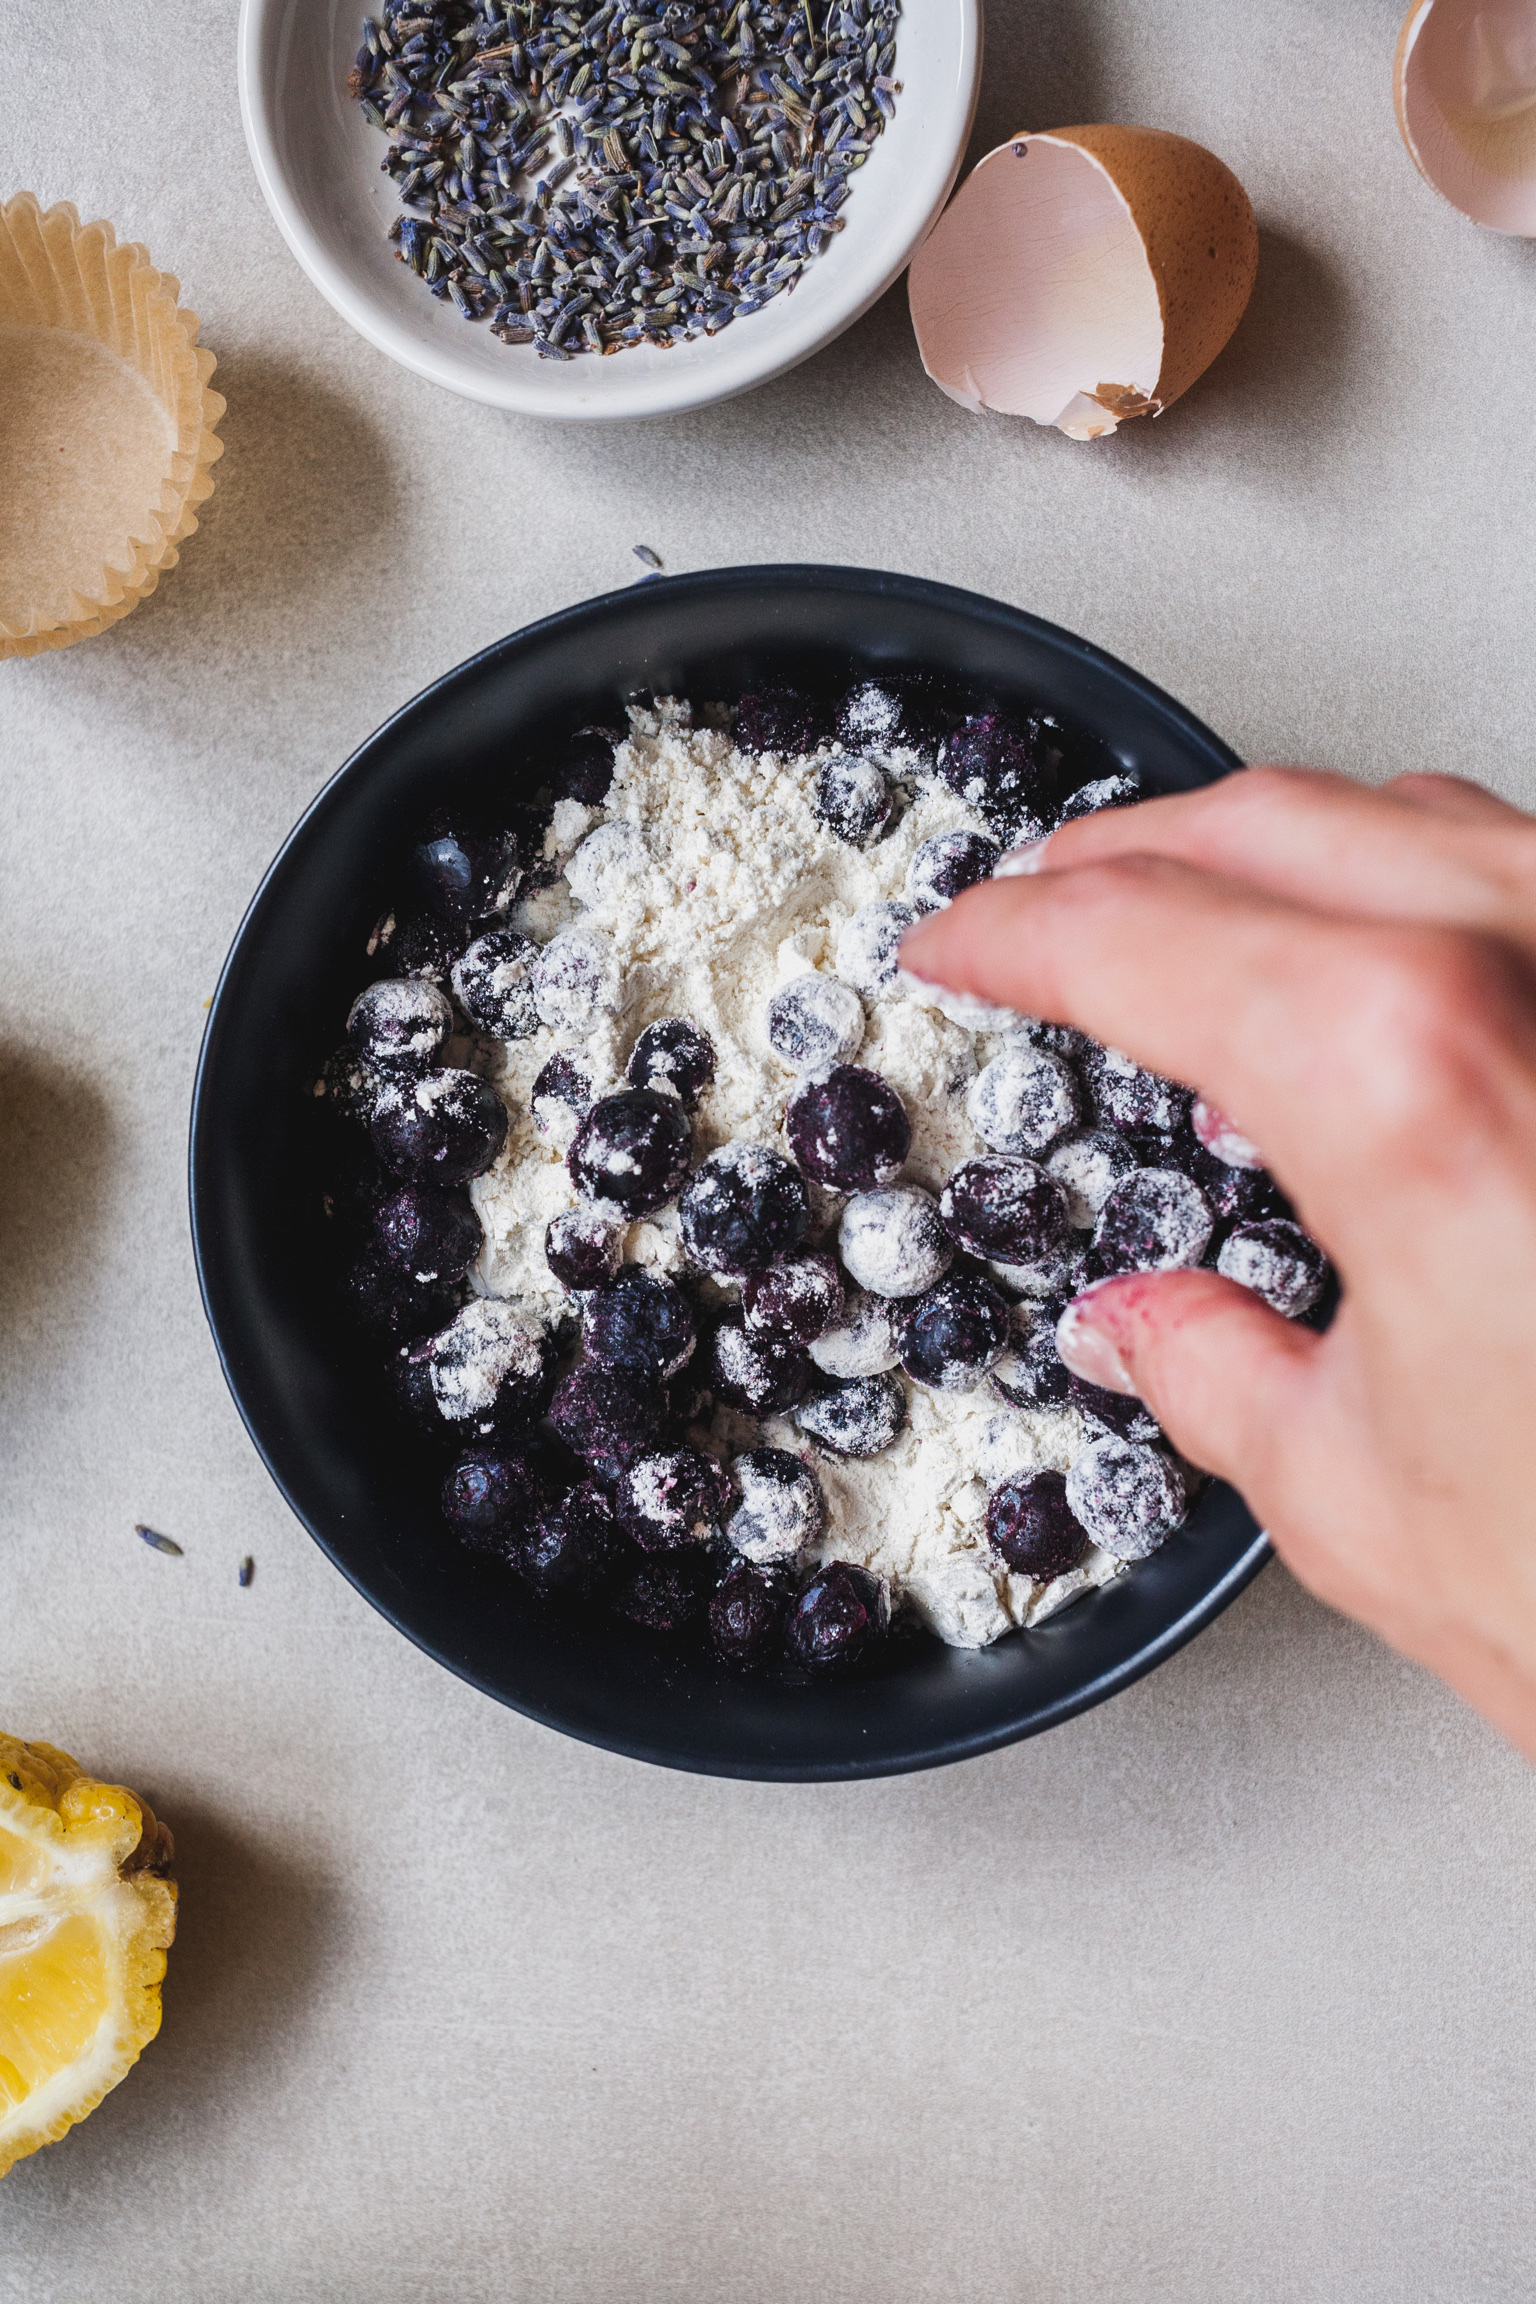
(317,161)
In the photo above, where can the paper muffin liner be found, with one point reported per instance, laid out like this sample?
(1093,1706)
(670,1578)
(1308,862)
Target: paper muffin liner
(96,507)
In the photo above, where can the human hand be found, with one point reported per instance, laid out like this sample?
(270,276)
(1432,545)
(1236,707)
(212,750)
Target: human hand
(1348,974)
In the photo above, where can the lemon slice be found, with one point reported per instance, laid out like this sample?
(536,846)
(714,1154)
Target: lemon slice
(85,1917)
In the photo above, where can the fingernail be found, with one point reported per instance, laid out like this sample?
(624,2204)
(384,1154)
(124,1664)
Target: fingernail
(1086,1349)
(1019,862)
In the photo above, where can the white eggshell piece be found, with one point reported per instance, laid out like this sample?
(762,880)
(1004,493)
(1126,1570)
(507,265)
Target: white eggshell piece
(1042,292)
(1466,104)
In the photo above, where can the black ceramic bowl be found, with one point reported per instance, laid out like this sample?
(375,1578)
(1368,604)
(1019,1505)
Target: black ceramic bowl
(313,1400)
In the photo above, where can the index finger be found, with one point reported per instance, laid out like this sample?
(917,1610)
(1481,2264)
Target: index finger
(1431,848)
(1341,1047)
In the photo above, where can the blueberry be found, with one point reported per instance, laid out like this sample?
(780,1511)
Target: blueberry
(466,875)
(1278,1262)
(863,1343)
(1062,1272)
(640,1321)
(1031,1372)
(893,1242)
(853,799)
(1129,1497)
(573,1548)
(950,1337)
(1118,791)
(661,1595)
(1088,1167)
(391,1303)
(491,1368)
(1155,1220)
(428,1234)
(1004,769)
(575,981)
(349,1086)
(1124,1096)
(815,1022)
(1119,1412)
(1025,1100)
(858,1418)
(1236,1195)
(631,1151)
(885,713)
(797,1300)
(741,1208)
(746,1618)
(582,1247)
(493,984)
(608,861)
(1032,1528)
(425,945)
(868,946)
(781,720)
(491,1498)
(848,1129)
(609,1416)
(400,1024)
(839,1619)
(945,866)
(442,1129)
(561,1094)
(673,1054)
(782,1506)
(1004,1209)
(678,1497)
(585,768)
(759,1375)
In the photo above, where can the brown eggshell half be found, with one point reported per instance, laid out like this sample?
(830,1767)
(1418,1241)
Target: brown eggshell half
(1465,85)
(1083,276)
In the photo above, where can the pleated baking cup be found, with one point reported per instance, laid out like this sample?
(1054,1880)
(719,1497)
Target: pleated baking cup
(107,430)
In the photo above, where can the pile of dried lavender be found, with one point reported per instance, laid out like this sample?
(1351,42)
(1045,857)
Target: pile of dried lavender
(595,176)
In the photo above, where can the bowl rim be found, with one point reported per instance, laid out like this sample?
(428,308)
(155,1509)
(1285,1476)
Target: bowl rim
(921,1755)
(929,178)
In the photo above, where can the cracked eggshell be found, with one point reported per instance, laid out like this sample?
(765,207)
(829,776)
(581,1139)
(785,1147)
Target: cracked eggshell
(1084,276)
(1465,85)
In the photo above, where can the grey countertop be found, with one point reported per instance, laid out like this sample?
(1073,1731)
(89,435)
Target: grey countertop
(1223,1992)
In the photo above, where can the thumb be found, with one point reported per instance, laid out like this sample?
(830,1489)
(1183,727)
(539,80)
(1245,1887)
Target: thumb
(1220,1371)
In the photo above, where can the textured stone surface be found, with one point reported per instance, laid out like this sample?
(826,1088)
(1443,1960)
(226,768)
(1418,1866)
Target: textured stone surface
(1222,1993)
